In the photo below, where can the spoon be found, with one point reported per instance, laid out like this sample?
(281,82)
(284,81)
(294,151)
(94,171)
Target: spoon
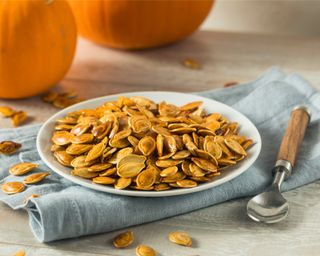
(270,206)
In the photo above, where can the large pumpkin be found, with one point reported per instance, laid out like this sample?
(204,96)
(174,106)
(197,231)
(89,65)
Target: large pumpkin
(133,24)
(37,45)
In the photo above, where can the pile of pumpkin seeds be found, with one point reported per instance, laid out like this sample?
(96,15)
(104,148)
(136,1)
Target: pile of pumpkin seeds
(135,143)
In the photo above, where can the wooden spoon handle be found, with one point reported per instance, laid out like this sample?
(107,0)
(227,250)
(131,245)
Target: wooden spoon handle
(294,134)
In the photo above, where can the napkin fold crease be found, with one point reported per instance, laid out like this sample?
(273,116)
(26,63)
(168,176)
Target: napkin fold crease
(65,210)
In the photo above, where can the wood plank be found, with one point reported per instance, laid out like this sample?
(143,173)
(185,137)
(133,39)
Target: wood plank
(224,56)
(99,71)
(219,229)
(11,249)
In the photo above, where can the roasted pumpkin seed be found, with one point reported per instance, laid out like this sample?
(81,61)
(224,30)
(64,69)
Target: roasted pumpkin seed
(35,177)
(22,168)
(180,238)
(147,145)
(186,183)
(78,149)
(13,187)
(63,157)
(169,171)
(146,179)
(104,180)
(20,253)
(122,183)
(84,173)
(9,147)
(97,150)
(144,250)
(123,240)
(130,165)
(6,111)
(235,146)
(19,118)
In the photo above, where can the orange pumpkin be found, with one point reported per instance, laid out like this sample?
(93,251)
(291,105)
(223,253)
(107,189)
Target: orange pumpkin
(133,24)
(37,45)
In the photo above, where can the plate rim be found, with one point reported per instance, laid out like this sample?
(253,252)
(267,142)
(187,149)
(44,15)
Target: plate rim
(176,192)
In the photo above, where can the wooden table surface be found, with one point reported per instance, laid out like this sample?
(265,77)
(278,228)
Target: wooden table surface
(218,230)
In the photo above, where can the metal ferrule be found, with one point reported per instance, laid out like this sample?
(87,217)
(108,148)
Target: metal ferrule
(285,166)
(303,108)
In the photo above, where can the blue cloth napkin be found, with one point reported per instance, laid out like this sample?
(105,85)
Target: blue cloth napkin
(66,210)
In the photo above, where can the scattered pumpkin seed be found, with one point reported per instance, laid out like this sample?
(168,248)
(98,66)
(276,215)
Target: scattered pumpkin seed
(6,111)
(13,187)
(191,63)
(9,147)
(35,177)
(18,118)
(22,168)
(123,240)
(144,250)
(180,238)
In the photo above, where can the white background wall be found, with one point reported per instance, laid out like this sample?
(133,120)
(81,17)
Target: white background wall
(280,17)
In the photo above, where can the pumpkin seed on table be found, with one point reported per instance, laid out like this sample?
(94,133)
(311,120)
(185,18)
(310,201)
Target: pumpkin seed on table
(180,238)
(13,187)
(9,147)
(123,240)
(191,63)
(63,102)
(35,177)
(144,250)
(134,143)
(50,97)
(22,168)
(20,253)
(19,118)
(6,111)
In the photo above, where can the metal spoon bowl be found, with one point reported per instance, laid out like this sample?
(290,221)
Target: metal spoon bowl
(269,206)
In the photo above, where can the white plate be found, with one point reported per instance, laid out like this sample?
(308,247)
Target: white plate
(247,128)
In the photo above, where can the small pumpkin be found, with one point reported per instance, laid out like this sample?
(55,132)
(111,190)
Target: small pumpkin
(134,24)
(37,45)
